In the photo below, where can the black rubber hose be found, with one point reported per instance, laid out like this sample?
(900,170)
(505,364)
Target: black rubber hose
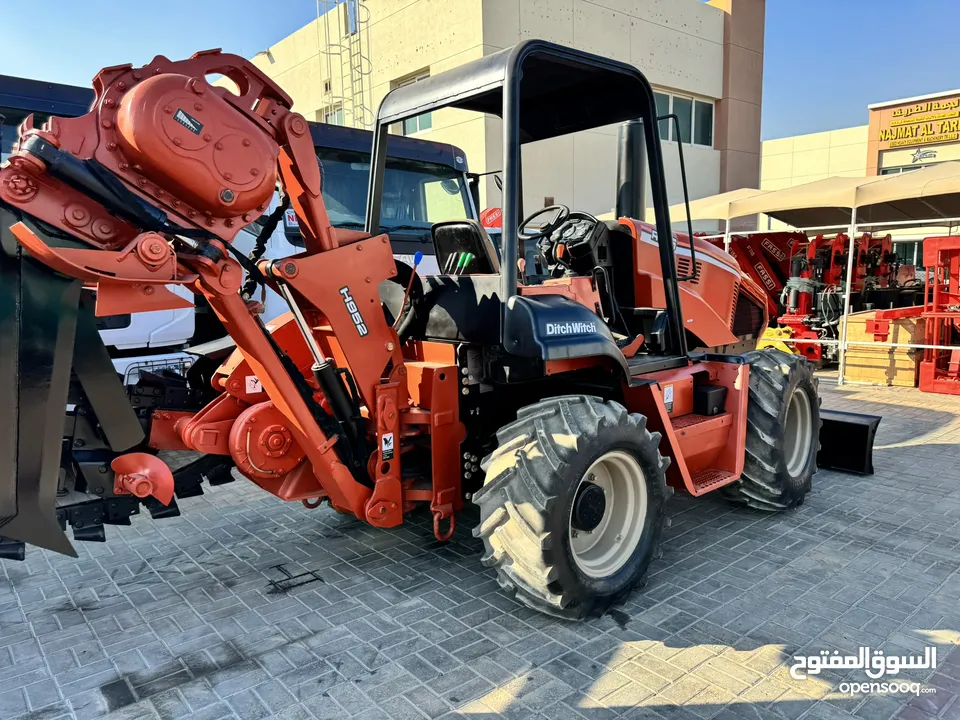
(260,247)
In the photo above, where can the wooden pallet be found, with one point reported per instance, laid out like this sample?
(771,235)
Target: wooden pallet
(883,365)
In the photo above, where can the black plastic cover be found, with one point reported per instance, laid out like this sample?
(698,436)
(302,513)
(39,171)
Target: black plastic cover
(709,399)
(553,327)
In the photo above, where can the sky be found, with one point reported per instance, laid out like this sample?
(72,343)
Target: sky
(825,60)
(76,38)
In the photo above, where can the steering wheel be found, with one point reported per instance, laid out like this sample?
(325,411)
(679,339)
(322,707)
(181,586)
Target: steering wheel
(560,213)
(566,233)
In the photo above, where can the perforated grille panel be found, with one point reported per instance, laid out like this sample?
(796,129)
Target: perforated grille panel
(683,268)
(704,479)
(733,301)
(747,316)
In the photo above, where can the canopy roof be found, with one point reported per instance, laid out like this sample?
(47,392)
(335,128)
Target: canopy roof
(559,90)
(932,193)
(823,202)
(715,207)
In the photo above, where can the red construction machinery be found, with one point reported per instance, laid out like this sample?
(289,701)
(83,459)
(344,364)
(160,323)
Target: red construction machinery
(805,281)
(567,404)
(940,365)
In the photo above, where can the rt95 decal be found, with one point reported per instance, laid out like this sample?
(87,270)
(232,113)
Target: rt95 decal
(354,311)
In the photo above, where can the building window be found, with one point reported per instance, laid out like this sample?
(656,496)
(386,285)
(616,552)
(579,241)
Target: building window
(695,116)
(683,109)
(904,168)
(333,115)
(703,122)
(414,125)
(663,108)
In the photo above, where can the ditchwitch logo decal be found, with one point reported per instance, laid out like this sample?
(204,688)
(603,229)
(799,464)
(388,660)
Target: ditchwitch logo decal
(571,328)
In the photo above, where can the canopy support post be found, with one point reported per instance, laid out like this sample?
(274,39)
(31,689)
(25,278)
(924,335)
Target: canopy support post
(726,235)
(846,295)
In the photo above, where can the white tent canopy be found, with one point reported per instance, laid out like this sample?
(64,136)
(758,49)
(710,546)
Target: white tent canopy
(932,193)
(928,194)
(715,207)
(822,202)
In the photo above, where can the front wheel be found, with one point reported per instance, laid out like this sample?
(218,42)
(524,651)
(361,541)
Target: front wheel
(572,506)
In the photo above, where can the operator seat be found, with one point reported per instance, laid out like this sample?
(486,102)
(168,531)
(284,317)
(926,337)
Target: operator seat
(454,238)
(462,304)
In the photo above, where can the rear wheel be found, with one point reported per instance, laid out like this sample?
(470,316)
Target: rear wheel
(572,505)
(783,429)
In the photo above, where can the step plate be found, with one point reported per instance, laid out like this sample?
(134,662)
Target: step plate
(706,480)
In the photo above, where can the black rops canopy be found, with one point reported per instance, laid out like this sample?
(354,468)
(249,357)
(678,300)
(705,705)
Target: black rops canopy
(540,90)
(592,91)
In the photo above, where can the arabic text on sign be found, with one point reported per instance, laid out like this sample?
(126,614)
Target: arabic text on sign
(927,107)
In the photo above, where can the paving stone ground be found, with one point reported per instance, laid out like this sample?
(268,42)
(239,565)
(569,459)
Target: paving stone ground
(179,618)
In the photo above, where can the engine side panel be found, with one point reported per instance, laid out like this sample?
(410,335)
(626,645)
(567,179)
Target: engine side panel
(708,300)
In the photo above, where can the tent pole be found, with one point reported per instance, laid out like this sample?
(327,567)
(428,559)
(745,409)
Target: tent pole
(846,295)
(726,235)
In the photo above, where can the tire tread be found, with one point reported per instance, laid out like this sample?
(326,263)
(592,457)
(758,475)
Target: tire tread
(539,442)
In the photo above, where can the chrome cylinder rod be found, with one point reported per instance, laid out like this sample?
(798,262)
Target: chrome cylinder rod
(302,323)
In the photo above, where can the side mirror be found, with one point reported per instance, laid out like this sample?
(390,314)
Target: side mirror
(450,186)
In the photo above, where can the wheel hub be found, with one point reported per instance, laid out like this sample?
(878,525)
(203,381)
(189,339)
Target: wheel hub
(608,514)
(588,507)
(798,432)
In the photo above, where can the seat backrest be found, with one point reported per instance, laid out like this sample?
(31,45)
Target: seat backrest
(452,240)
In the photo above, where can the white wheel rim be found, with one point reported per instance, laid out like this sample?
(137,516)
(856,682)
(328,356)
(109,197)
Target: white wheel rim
(798,432)
(602,551)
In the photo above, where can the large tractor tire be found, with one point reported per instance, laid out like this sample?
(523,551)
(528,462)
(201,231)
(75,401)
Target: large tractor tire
(783,430)
(572,506)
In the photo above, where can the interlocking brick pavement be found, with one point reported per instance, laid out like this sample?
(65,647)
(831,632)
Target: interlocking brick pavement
(179,619)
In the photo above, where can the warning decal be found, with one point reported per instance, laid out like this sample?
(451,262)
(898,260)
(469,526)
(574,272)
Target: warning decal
(386,447)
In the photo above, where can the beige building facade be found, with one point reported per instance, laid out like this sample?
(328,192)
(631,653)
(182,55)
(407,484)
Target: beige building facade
(705,63)
(900,136)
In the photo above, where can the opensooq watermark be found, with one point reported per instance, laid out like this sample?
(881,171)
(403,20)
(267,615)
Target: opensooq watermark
(875,665)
